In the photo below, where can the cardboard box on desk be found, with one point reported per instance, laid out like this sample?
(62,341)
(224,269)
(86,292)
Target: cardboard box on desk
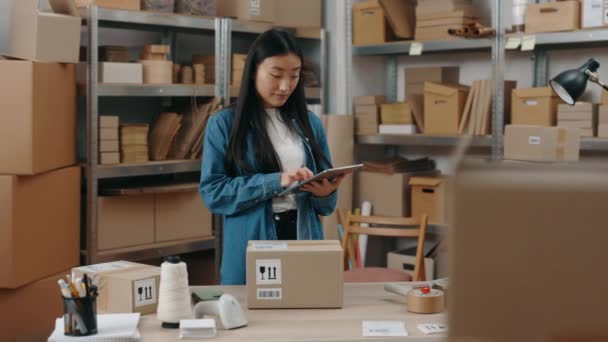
(443,106)
(502,212)
(553,16)
(261,10)
(124,286)
(29,312)
(38,116)
(294,274)
(39,225)
(537,143)
(534,106)
(45,36)
(429,197)
(133,5)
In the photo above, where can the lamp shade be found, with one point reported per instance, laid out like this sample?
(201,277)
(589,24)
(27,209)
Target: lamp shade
(570,84)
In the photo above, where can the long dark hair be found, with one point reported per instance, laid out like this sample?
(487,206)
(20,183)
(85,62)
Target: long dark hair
(250,116)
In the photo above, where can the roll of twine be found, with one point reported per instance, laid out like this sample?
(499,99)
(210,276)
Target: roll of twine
(174,293)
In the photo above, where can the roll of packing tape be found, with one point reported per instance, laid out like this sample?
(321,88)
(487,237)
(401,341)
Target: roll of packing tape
(157,72)
(425,303)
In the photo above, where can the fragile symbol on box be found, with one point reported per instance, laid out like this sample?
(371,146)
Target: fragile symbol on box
(145,292)
(268,271)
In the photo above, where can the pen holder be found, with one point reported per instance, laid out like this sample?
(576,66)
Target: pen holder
(80,316)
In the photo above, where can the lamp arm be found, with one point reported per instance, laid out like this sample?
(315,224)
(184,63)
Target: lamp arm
(594,77)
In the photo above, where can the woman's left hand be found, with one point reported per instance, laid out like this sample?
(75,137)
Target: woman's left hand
(323,188)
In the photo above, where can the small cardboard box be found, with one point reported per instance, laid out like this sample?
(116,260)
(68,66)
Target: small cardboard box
(109,121)
(181,215)
(258,10)
(443,106)
(295,274)
(538,143)
(366,124)
(38,116)
(396,113)
(429,197)
(39,225)
(534,106)
(523,225)
(298,13)
(124,286)
(405,260)
(369,100)
(130,73)
(370,25)
(30,310)
(388,194)
(553,16)
(401,16)
(593,13)
(133,5)
(124,221)
(45,36)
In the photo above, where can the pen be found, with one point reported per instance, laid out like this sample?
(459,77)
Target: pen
(85,280)
(64,288)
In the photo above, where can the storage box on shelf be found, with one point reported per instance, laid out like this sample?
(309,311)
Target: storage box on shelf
(429,197)
(602,121)
(443,106)
(534,106)
(593,13)
(262,10)
(553,16)
(581,116)
(367,113)
(109,150)
(541,143)
(134,5)
(370,25)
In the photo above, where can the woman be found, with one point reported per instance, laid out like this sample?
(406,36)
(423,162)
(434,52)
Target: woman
(254,150)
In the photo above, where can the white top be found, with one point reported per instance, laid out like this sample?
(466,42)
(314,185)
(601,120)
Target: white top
(290,150)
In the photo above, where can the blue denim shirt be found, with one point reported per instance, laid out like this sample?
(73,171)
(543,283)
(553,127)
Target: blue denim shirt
(245,201)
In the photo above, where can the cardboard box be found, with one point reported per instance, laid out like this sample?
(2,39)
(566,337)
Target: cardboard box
(30,311)
(538,143)
(553,16)
(108,133)
(401,17)
(604,99)
(433,7)
(39,117)
(397,129)
(513,229)
(109,121)
(534,106)
(370,25)
(39,225)
(443,106)
(45,36)
(124,286)
(258,10)
(109,158)
(297,13)
(124,221)
(414,86)
(133,5)
(369,100)
(593,13)
(339,132)
(366,123)
(582,116)
(396,113)
(181,215)
(388,194)
(130,73)
(295,274)
(429,197)
(602,122)
(109,146)
(405,260)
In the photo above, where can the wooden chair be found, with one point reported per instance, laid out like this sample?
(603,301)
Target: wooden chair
(401,227)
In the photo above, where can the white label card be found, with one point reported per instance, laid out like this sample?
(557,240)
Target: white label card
(254,8)
(534,140)
(416,49)
(144,292)
(433,328)
(384,328)
(269,294)
(528,43)
(513,43)
(269,246)
(268,271)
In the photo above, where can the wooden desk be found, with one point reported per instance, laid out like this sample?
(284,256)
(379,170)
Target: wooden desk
(361,302)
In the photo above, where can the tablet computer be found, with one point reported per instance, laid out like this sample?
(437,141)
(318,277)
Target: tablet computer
(326,174)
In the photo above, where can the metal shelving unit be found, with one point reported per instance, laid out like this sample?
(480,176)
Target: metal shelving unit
(173,90)
(496,46)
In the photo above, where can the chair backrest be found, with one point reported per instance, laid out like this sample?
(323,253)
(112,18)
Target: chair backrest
(401,227)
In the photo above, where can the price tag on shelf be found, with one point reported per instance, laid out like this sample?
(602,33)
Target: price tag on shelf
(528,43)
(416,49)
(513,43)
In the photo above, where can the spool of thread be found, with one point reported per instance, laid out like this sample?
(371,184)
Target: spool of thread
(176,71)
(425,303)
(173,294)
(187,75)
(199,73)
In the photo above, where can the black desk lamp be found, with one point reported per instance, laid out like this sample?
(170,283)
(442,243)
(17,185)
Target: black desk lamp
(570,84)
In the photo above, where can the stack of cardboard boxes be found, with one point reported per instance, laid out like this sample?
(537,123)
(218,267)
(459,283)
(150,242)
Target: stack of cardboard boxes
(134,143)
(39,184)
(237,66)
(367,113)
(533,134)
(109,147)
(396,118)
(602,121)
(157,68)
(435,17)
(581,116)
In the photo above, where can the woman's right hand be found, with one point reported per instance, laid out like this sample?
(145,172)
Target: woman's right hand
(299,174)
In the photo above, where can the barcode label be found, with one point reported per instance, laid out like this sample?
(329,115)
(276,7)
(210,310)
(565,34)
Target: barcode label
(534,140)
(268,294)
